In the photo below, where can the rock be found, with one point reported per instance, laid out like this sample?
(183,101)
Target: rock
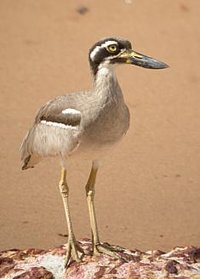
(49,264)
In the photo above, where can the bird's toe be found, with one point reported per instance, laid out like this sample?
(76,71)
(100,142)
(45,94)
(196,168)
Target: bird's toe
(109,250)
(74,253)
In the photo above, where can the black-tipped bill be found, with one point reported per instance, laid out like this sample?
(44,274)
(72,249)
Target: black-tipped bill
(138,59)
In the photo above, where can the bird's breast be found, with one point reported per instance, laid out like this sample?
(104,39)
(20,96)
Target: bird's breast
(108,125)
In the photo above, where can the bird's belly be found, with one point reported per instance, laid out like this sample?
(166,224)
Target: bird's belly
(92,151)
(99,141)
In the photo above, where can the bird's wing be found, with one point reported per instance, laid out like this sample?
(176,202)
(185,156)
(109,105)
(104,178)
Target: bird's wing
(60,111)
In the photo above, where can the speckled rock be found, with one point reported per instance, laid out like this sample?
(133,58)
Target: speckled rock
(48,264)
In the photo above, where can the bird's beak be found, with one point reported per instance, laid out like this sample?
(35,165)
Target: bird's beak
(138,59)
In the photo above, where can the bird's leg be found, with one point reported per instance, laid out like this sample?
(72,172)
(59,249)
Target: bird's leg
(74,252)
(98,247)
(90,191)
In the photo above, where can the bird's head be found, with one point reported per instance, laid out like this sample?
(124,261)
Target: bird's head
(112,51)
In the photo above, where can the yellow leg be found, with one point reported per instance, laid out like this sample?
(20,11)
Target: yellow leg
(90,192)
(98,247)
(74,252)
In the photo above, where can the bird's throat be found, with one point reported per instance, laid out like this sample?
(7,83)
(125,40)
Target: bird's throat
(105,79)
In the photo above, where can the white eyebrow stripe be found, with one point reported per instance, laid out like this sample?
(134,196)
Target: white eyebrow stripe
(107,43)
(97,48)
(58,125)
(71,111)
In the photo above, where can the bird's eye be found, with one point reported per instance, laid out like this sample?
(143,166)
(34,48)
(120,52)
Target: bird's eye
(112,48)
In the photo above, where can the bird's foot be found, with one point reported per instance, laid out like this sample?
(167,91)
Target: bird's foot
(74,252)
(106,248)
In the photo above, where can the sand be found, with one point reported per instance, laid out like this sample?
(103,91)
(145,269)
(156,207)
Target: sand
(147,193)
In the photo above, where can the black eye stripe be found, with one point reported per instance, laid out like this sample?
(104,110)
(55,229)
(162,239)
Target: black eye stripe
(104,52)
(99,53)
(100,47)
(113,49)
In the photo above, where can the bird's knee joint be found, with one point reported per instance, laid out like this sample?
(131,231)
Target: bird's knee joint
(64,190)
(90,193)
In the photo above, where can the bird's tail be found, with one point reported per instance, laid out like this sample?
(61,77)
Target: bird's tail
(28,158)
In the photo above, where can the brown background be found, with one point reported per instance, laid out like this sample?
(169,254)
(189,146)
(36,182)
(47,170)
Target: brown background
(148,189)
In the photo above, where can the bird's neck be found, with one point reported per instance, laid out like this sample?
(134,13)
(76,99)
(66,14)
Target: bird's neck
(105,82)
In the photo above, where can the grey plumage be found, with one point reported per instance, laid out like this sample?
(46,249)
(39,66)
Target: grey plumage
(103,120)
(85,124)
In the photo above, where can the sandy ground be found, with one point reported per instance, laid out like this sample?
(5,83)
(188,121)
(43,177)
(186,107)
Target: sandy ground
(148,189)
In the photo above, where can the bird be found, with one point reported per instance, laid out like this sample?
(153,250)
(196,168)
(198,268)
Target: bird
(84,125)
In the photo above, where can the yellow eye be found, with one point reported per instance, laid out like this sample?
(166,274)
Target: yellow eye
(112,48)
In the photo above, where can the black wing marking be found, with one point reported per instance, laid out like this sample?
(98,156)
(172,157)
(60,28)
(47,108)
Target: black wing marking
(53,112)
